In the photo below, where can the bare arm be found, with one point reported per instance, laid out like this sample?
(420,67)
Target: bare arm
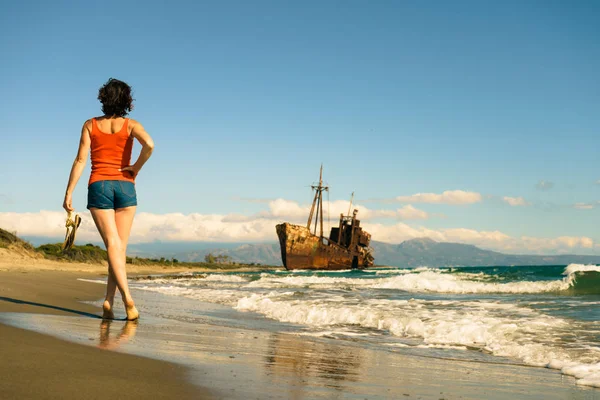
(138,132)
(78,165)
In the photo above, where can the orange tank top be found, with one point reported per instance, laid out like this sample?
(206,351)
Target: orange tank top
(109,153)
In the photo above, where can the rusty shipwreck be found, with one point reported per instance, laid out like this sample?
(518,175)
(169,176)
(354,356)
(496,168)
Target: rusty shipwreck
(346,248)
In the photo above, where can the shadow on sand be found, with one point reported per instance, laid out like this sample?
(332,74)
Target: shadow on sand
(69,310)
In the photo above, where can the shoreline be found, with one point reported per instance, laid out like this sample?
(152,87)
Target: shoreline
(206,360)
(36,365)
(11,260)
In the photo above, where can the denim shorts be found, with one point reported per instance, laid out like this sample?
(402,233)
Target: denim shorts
(108,195)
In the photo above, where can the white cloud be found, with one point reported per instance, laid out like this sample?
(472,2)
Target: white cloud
(199,227)
(448,197)
(236,218)
(46,223)
(515,201)
(148,227)
(409,212)
(493,240)
(286,210)
(562,243)
(399,232)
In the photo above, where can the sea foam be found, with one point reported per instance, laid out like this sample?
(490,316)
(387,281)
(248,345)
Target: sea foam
(335,304)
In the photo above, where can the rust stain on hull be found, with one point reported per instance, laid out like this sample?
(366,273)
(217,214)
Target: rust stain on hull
(347,246)
(300,249)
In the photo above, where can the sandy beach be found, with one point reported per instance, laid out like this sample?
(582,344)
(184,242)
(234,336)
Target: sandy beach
(39,366)
(67,351)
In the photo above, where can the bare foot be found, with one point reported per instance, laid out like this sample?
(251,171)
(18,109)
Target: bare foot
(107,312)
(132,312)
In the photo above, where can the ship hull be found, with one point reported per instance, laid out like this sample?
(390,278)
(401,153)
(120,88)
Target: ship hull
(300,249)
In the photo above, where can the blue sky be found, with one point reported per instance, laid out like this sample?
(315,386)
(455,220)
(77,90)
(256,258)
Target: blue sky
(246,99)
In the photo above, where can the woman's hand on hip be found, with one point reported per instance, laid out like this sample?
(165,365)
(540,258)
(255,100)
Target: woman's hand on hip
(132,170)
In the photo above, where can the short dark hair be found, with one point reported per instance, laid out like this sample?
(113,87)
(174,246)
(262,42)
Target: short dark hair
(115,96)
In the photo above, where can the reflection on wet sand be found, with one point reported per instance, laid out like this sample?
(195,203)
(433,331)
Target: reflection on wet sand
(254,364)
(311,363)
(112,343)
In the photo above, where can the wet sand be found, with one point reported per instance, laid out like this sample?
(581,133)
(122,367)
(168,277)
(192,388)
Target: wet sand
(208,360)
(33,365)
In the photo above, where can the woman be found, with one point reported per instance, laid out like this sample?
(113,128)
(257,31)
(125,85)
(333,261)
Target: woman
(111,190)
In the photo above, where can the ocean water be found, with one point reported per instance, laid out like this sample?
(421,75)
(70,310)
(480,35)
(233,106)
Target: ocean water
(543,316)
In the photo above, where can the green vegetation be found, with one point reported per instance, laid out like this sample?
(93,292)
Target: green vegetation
(88,253)
(93,254)
(210,258)
(7,239)
(214,262)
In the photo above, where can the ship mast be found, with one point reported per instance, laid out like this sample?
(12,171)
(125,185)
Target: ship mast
(350,206)
(317,205)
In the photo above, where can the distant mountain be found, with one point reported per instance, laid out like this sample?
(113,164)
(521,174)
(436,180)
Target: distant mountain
(410,253)
(183,251)
(428,252)
(266,253)
(262,253)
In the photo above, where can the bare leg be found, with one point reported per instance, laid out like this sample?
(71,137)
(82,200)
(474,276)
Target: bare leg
(111,290)
(108,222)
(124,220)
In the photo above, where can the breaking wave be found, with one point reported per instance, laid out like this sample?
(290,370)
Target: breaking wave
(578,279)
(388,303)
